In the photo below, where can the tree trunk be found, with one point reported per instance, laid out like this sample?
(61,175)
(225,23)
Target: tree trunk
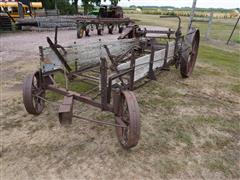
(76,5)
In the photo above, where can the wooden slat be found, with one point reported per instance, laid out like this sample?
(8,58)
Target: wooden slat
(142,63)
(91,53)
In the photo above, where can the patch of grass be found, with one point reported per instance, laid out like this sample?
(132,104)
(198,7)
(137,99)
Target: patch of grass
(79,87)
(218,165)
(230,124)
(199,71)
(229,61)
(205,120)
(51,96)
(183,136)
(167,166)
(236,88)
(221,164)
(103,116)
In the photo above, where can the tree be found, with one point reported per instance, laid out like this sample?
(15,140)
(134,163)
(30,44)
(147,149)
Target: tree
(114,2)
(75,2)
(88,5)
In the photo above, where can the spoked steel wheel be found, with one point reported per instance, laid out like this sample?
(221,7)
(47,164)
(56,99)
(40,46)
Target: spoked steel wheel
(99,32)
(189,58)
(128,116)
(80,33)
(32,93)
(120,29)
(110,29)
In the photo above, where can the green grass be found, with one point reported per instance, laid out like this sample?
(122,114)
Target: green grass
(79,87)
(229,61)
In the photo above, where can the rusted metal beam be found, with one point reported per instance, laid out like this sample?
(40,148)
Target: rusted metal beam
(103,73)
(233,30)
(61,58)
(151,74)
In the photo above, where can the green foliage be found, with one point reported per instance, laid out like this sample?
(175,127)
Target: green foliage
(88,5)
(64,6)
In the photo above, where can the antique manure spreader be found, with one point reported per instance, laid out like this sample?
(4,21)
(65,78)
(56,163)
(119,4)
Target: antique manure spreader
(114,69)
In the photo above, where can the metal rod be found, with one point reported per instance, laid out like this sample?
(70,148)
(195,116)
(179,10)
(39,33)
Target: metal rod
(99,122)
(233,30)
(56,35)
(86,77)
(91,90)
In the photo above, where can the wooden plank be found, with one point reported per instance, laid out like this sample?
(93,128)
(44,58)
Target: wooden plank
(142,63)
(91,53)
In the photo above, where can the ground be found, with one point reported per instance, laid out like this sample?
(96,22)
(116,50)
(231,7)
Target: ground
(189,127)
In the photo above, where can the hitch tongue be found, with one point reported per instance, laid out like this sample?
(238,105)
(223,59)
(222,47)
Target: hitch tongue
(65,111)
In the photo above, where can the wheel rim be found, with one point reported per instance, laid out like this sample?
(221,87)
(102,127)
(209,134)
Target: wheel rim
(81,32)
(128,116)
(33,94)
(193,55)
(188,59)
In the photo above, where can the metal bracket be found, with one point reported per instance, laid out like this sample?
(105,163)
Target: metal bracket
(65,111)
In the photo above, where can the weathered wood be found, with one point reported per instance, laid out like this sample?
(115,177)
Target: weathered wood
(91,53)
(142,63)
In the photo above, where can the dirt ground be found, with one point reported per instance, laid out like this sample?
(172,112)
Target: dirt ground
(189,127)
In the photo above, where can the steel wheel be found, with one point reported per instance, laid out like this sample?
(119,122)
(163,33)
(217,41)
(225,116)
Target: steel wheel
(128,116)
(31,93)
(110,29)
(80,33)
(189,58)
(99,32)
(120,29)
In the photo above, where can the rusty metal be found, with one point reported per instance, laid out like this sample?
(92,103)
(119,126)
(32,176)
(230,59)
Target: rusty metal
(100,122)
(151,74)
(61,58)
(189,54)
(65,112)
(103,72)
(129,116)
(85,23)
(31,89)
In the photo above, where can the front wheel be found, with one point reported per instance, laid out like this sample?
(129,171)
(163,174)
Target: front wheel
(33,94)
(189,54)
(128,115)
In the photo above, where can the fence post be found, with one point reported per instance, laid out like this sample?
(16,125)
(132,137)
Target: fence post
(233,30)
(192,14)
(209,26)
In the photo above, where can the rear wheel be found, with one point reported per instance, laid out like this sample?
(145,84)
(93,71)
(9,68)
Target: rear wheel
(129,116)
(33,94)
